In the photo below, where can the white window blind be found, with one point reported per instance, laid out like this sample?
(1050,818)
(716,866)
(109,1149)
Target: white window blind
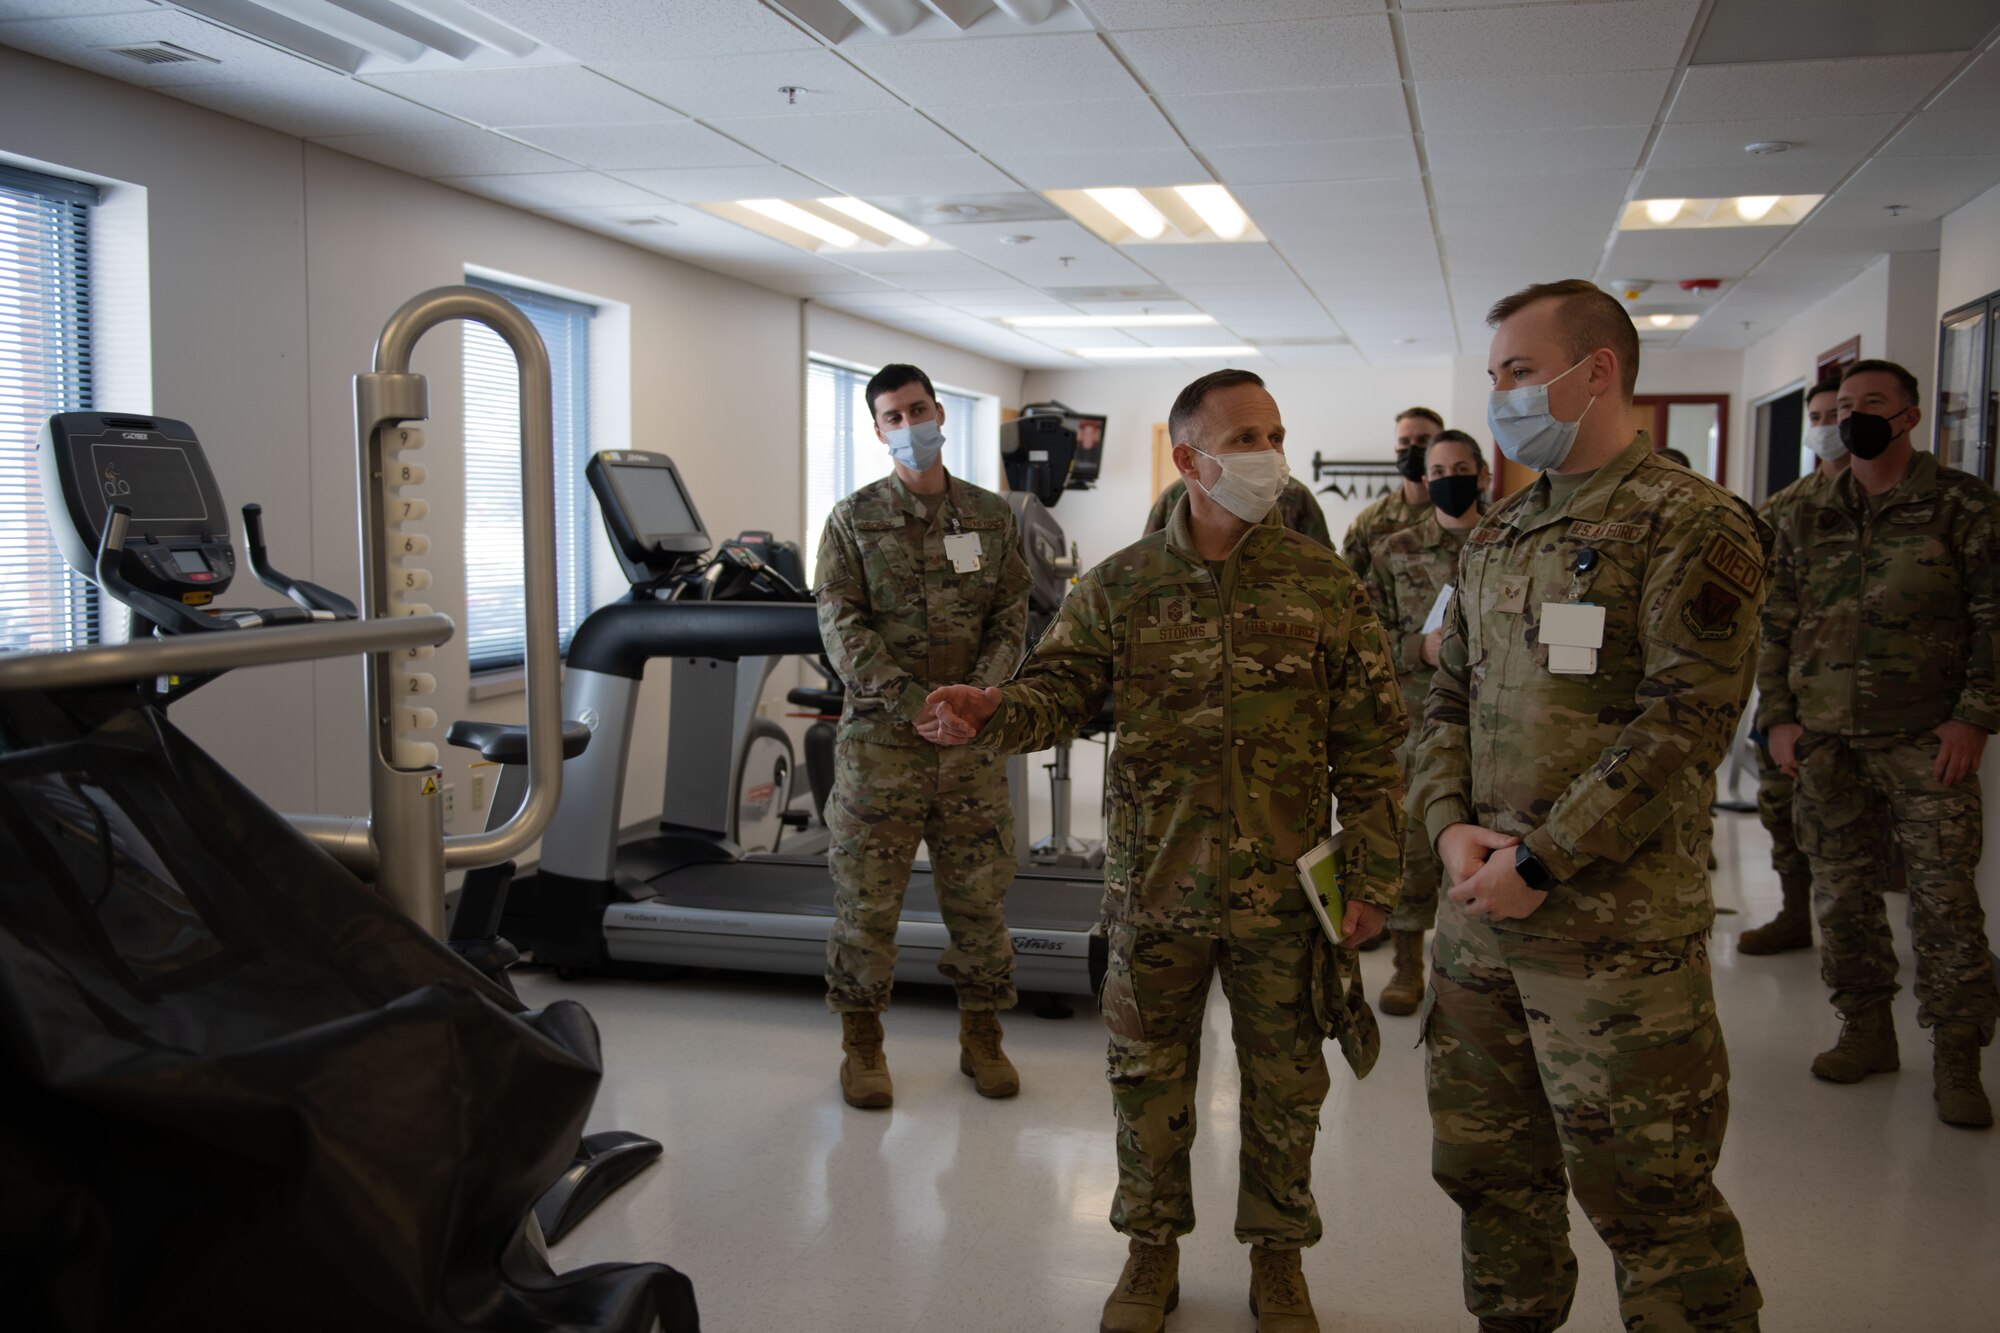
(495,613)
(44,369)
(842,453)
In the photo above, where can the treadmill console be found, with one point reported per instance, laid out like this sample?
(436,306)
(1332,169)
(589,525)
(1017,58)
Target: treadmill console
(178,544)
(654,528)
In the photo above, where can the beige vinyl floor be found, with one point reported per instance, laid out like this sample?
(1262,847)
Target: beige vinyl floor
(793,1213)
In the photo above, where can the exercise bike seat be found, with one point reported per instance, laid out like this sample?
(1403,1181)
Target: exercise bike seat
(505,743)
(826,703)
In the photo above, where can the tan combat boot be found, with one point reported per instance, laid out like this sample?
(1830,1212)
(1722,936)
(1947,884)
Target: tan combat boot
(1790,929)
(1278,1295)
(1955,1074)
(980,1056)
(864,1074)
(1405,990)
(1867,1046)
(1149,1287)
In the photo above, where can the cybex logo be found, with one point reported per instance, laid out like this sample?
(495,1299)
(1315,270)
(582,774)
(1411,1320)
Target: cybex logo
(133,435)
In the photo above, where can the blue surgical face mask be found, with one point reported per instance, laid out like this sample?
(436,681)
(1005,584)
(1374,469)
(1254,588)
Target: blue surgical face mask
(1526,430)
(916,446)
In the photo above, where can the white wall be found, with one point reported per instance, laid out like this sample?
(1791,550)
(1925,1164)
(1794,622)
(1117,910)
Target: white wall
(274,265)
(1347,414)
(1969,268)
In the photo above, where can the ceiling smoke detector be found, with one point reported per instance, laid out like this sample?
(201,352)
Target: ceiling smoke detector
(1017,239)
(1766,147)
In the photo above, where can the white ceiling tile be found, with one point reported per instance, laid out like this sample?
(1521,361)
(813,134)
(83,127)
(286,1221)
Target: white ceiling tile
(881,297)
(955,280)
(1366,291)
(83,41)
(1056,67)
(1804,89)
(715,184)
(1755,175)
(1523,219)
(1285,115)
(658,146)
(1717,252)
(1548,39)
(1255,57)
(964,174)
(724,86)
(1047,241)
(608,30)
(1582,148)
(537,95)
(841,136)
(1141,168)
(1315,324)
(893,264)
(1331,198)
(1939,133)
(1474,106)
(1837,140)
(1411,227)
(1334,245)
(1174,264)
(559,189)
(1877,235)
(1556,192)
(1851,208)
(1340,159)
(1337,356)
(1520,259)
(1977,89)
(311,102)
(1820,272)
(450,150)
(1944,182)
(1128,15)
(1289,294)
(999,130)
(59,9)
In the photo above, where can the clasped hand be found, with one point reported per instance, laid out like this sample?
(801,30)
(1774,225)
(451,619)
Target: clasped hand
(954,714)
(1483,884)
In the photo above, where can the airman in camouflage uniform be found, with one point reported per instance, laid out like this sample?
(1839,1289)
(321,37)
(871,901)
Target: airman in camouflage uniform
(1571,1025)
(1298,509)
(1406,572)
(1401,508)
(899,615)
(1792,927)
(1251,693)
(1879,688)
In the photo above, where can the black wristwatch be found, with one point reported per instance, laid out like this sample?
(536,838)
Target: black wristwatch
(1531,870)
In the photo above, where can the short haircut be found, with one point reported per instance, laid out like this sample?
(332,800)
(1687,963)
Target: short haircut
(1831,384)
(1423,412)
(891,378)
(1187,405)
(1456,437)
(1679,456)
(1590,318)
(1903,377)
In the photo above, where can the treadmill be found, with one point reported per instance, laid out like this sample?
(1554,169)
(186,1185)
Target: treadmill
(684,894)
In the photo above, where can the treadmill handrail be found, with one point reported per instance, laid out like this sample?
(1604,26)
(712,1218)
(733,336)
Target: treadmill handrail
(619,639)
(189,655)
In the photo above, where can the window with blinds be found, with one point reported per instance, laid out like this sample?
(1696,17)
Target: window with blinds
(44,369)
(495,614)
(842,453)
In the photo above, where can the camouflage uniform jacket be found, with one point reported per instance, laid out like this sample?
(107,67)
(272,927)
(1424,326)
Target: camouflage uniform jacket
(1884,617)
(1604,776)
(1406,571)
(1234,727)
(1391,513)
(898,620)
(1298,509)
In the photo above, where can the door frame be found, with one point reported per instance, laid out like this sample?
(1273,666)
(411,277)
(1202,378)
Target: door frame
(1660,402)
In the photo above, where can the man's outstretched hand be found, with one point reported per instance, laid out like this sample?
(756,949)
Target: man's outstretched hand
(954,714)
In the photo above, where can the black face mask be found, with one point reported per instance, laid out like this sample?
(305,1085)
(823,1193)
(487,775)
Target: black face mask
(1454,495)
(1410,462)
(1866,435)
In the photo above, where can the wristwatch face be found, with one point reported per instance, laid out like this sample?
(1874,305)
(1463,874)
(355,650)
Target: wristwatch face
(1531,870)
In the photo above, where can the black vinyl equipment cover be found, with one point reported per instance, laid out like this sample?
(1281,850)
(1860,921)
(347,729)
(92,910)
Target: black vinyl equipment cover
(239,1091)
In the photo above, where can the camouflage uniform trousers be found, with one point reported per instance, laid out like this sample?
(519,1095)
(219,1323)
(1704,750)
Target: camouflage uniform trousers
(1774,811)
(1417,909)
(1598,1066)
(1845,783)
(1155,1001)
(886,798)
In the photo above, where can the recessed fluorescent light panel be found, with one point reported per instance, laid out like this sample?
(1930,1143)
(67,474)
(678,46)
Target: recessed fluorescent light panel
(1750,210)
(1166,215)
(1109,321)
(835,225)
(1163,353)
(1663,323)
(377,36)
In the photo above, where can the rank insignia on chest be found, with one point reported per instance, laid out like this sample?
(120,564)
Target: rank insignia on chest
(1175,611)
(1711,613)
(1175,621)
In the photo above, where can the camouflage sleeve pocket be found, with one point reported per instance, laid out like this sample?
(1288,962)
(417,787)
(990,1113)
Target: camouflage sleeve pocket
(1118,1002)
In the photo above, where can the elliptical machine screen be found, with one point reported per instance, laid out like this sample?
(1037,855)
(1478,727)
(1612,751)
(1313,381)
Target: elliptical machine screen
(156,482)
(654,499)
